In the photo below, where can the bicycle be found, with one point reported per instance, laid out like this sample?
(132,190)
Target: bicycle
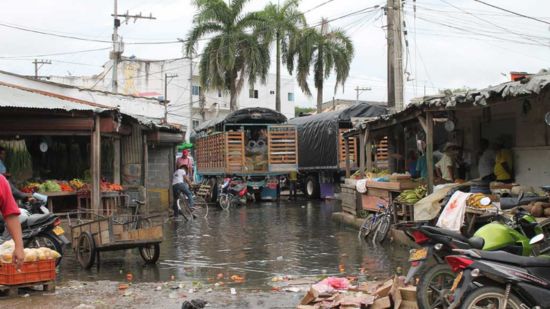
(183,207)
(378,222)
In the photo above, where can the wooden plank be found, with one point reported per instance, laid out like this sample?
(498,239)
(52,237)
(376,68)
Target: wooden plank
(116,160)
(348,163)
(362,141)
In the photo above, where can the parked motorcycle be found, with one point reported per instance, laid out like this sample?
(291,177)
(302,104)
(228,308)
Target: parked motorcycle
(500,279)
(40,228)
(233,192)
(434,284)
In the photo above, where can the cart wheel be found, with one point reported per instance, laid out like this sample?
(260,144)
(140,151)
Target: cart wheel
(150,253)
(85,250)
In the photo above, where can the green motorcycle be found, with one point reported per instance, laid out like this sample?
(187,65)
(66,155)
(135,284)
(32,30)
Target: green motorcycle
(511,235)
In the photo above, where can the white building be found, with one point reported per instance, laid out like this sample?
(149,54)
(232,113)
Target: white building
(147,78)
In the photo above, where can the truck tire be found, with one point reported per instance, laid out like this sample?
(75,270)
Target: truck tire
(213,190)
(312,188)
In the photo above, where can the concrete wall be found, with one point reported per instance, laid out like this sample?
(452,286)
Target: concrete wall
(159,177)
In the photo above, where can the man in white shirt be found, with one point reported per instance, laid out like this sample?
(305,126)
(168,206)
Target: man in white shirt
(486,161)
(181,184)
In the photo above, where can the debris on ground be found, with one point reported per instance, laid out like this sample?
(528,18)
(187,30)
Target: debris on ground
(194,304)
(336,292)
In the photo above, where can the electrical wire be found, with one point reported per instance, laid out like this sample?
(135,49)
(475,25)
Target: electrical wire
(318,6)
(57,54)
(512,12)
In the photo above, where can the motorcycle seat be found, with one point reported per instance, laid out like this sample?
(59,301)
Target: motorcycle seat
(452,234)
(508,258)
(36,219)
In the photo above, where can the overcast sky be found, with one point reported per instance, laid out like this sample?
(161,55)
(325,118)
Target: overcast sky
(452,43)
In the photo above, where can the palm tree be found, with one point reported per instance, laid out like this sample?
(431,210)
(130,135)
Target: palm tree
(235,51)
(285,22)
(326,50)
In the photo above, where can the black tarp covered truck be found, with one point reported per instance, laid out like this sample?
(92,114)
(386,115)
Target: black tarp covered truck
(255,143)
(321,147)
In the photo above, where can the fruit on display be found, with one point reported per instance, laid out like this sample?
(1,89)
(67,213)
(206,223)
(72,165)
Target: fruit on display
(77,184)
(413,195)
(478,200)
(49,186)
(67,186)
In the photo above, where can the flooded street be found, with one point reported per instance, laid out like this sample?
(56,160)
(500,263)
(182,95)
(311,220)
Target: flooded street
(255,244)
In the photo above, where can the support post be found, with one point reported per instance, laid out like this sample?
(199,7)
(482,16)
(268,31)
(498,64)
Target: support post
(362,140)
(395,54)
(348,165)
(369,155)
(145,171)
(116,160)
(430,150)
(96,165)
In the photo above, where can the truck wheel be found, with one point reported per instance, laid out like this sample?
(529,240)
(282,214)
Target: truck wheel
(312,189)
(213,190)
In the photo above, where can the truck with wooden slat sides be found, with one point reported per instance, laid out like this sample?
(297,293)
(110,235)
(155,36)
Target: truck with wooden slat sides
(322,151)
(254,143)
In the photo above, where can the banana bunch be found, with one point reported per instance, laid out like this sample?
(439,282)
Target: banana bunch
(475,200)
(412,196)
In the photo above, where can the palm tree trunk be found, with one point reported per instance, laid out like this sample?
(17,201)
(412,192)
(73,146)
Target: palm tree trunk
(278,73)
(320,99)
(232,97)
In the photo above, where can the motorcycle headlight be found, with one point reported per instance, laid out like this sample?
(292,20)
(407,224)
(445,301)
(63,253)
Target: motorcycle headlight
(475,273)
(438,247)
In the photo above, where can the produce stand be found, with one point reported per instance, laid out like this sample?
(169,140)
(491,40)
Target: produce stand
(115,232)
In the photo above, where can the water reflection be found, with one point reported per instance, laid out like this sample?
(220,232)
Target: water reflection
(256,242)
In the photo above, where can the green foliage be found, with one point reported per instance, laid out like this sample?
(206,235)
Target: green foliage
(305,110)
(237,49)
(326,50)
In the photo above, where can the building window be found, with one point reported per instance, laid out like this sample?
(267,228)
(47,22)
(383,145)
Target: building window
(271,92)
(195,123)
(219,93)
(253,94)
(196,90)
(290,97)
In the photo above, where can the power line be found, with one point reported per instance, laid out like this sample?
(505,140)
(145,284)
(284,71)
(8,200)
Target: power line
(318,6)
(21,28)
(512,12)
(56,54)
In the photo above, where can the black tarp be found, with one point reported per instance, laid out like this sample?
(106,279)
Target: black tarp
(248,115)
(318,134)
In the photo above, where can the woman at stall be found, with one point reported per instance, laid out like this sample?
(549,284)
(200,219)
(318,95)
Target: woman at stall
(445,167)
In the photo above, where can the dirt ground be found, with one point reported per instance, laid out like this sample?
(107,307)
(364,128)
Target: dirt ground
(168,295)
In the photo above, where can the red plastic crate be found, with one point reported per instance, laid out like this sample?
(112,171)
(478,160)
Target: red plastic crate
(31,272)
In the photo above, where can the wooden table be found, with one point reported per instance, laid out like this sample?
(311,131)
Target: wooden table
(52,195)
(110,200)
(379,192)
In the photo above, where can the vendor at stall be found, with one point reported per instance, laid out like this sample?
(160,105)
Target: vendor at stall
(186,160)
(3,169)
(486,162)
(445,167)
(503,169)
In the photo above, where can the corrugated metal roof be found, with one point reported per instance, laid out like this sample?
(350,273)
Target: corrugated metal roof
(22,97)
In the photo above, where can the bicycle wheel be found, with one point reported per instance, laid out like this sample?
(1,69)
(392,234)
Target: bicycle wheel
(366,227)
(224,201)
(383,228)
(183,206)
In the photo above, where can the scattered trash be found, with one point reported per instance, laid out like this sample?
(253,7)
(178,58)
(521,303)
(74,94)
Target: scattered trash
(129,277)
(174,287)
(158,288)
(292,289)
(237,279)
(123,286)
(335,292)
(209,290)
(194,304)
(84,306)
(191,291)
(172,277)
(128,293)
(173,295)
(279,258)
(233,291)
(26,295)
(342,268)
(219,276)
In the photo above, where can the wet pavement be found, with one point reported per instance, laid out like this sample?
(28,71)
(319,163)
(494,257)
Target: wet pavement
(244,248)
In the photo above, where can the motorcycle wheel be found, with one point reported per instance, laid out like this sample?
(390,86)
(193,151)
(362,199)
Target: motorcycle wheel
(434,286)
(544,247)
(48,241)
(490,297)
(183,206)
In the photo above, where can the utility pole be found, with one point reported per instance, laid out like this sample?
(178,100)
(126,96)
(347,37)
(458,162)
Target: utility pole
(118,45)
(190,123)
(167,79)
(359,90)
(38,64)
(395,54)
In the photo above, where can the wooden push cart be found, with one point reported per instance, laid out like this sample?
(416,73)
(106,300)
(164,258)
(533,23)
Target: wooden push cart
(115,232)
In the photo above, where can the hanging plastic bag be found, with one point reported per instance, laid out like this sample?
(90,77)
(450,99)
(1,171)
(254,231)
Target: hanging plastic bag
(452,216)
